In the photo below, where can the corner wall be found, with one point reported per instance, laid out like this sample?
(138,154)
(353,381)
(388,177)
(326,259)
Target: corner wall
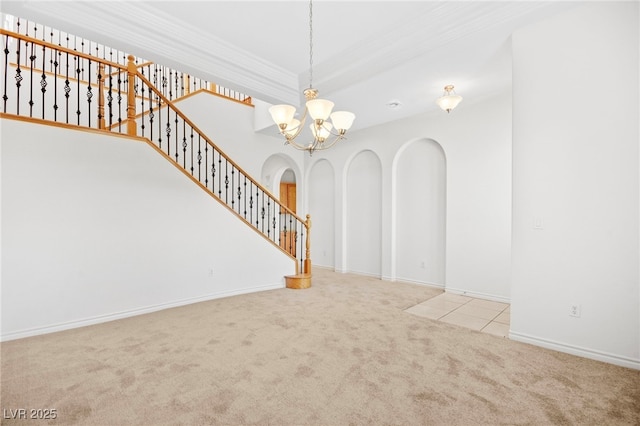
(576,183)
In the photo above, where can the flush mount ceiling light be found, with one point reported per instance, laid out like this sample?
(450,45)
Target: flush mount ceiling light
(319,110)
(449,100)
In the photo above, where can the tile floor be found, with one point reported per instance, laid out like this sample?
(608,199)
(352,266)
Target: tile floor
(478,314)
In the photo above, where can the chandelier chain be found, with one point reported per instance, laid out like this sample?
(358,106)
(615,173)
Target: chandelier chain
(327,128)
(310,44)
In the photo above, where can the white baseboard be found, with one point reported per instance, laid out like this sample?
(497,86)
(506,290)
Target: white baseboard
(478,295)
(411,281)
(576,350)
(329,267)
(364,274)
(125,314)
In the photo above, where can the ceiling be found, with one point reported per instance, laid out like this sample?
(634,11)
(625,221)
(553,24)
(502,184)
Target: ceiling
(366,54)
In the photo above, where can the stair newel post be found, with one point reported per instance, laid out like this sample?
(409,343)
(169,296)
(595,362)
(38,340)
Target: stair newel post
(101,119)
(132,71)
(307,260)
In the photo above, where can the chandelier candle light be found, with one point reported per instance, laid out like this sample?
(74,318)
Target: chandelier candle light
(318,109)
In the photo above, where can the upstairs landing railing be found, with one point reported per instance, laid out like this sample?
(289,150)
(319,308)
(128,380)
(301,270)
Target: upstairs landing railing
(50,82)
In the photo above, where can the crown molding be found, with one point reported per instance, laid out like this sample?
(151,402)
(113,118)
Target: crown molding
(149,35)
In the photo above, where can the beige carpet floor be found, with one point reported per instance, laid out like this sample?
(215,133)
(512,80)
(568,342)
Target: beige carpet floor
(340,353)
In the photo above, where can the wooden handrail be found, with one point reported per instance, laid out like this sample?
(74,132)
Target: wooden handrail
(208,141)
(135,81)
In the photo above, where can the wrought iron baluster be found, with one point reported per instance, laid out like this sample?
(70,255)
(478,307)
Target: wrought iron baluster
(257,201)
(110,97)
(250,201)
(56,62)
(142,112)
(136,84)
(155,76)
(184,145)
(18,77)
(101,120)
(280,230)
(226,181)
(67,86)
(32,59)
(6,73)
(168,131)
(295,237)
(164,82)
(206,159)
(274,222)
(233,172)
(175,86)
(176,136)
(191,150)
(262,213)
(199,158)
(268,217)
(245,197)
(159,102)
(119,100)
(89,96)
(43,81)
(76,60)
(51,60)
(239,192)
(151,113)
(213,168)
(219,176)
(291,227)
(81,74)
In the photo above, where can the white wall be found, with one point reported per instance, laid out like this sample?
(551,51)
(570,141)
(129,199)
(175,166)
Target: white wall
(100,227)
(476,140)
(576,183)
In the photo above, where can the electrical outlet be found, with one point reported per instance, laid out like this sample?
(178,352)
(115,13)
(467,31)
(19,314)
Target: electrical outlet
(211,272)
(574,310)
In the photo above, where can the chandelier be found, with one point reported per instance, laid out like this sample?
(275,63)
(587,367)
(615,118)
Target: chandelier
(325,133)
(449,101)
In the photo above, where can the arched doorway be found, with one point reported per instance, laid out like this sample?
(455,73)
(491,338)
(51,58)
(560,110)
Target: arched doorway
(288,190)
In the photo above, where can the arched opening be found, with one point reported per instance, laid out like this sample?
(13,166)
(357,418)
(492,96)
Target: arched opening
(321,195)
(364,214)
(280,176)
(420,212)
(287,193)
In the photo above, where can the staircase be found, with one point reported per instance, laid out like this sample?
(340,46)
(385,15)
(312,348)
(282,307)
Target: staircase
(56,83)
